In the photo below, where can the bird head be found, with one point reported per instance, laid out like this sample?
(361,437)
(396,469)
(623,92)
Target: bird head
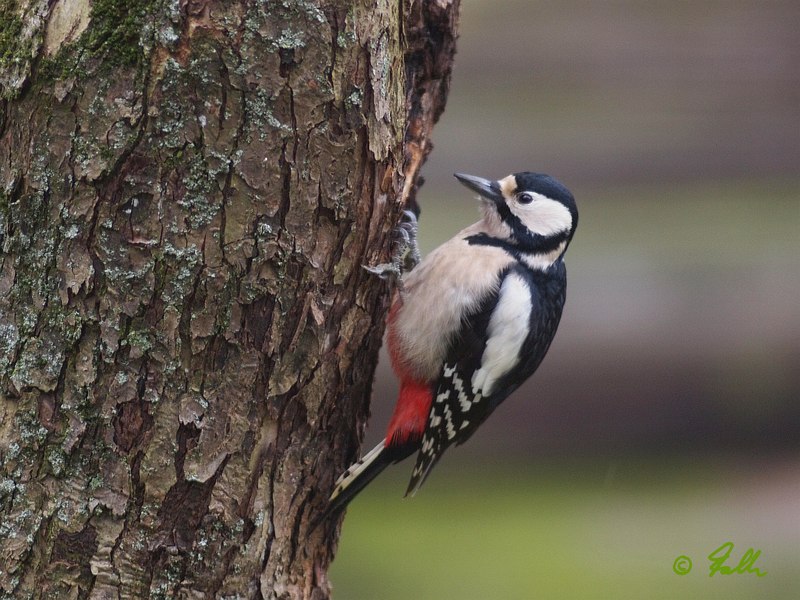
(530,210)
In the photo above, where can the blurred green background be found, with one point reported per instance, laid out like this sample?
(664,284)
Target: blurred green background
(665,420)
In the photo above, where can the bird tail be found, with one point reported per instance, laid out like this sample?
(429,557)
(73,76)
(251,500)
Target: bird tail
(358,475)
(426,460)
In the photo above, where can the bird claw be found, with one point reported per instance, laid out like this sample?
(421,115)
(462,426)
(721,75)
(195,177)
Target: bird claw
(384,270)
(406,255)
(408,252)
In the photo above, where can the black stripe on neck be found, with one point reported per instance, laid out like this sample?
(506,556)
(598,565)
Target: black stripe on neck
(517,253)
(535,244)
(482,239)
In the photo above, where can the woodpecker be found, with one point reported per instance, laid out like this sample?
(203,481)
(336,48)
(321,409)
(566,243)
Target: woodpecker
(471,322)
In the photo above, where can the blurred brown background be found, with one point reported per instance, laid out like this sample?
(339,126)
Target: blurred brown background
(665,420)
(677,127)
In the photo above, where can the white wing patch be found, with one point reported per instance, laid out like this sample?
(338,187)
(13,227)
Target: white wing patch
(508,328)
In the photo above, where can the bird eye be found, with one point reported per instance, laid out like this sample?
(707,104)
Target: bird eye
(525,198)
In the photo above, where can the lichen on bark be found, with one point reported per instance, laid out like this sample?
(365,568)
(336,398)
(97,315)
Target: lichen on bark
(188,190)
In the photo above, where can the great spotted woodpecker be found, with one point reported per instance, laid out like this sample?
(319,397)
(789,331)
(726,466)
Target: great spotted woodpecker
(471,322)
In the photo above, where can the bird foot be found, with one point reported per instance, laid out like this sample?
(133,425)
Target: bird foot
(384,271)
(406,255)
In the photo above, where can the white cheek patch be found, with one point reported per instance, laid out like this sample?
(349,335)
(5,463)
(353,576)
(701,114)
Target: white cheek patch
(544,216)
(508,328)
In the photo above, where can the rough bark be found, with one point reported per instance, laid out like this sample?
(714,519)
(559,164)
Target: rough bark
(188,190)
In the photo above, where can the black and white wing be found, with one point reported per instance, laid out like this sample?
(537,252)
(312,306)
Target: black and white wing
(485,363)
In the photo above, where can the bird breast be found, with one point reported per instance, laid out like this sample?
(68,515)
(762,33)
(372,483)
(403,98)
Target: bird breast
(449,284)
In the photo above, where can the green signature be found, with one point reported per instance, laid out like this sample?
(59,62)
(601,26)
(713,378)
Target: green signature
(718,562)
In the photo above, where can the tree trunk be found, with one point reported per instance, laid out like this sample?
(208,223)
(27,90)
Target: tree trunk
(188,190)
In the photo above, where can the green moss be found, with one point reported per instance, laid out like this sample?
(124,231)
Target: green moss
(140,340)
(119,34)
(7,487)
(57,460)
(115,30)
(203,198)
(63,322)
(39,364)
(9,337)
(260,117)
(17,46)
(182,265)
(30,431)
(10,33)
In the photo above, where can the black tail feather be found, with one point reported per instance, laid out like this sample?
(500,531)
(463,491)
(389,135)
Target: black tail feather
(357,476)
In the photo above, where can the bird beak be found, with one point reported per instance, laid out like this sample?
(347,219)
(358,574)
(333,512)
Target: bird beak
(486,188)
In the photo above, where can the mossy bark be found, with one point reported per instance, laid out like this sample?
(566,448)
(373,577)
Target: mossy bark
(188,190)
